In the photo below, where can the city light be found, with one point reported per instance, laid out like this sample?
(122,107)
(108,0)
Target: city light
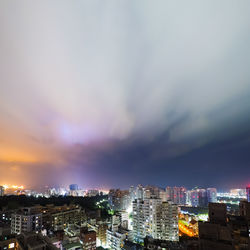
(12,186)
(186,230)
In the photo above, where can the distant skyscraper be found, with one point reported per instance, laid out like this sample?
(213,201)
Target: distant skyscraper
(119,199)
(211,195)
(194,197)
(132,193)
(163,195)
(248,193)
(139,192)
(202,197)
(1,191)
(73,187)
(176,194)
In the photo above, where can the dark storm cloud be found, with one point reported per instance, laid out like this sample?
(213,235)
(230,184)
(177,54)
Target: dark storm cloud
(128,89)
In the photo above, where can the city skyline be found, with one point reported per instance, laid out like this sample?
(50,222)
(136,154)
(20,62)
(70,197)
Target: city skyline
(112,94)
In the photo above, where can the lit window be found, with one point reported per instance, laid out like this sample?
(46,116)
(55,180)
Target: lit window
(11,245)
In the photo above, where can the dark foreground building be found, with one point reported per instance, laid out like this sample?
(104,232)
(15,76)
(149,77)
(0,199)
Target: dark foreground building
(223,231)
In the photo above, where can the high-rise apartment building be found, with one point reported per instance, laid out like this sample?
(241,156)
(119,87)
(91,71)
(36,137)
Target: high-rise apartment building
(202,197)
(73,187)
(119,199)
(163,195)
(26,220)
(211,195)
(248,193)
(152,217)
(139,192)
(194,197)
(176,194)
(167,220)
(132,193)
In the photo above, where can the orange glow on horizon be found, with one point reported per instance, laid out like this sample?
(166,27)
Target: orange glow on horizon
(12,186)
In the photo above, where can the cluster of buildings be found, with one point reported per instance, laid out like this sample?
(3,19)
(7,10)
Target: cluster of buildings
(72,190)
(63,227)
(143,217)
(225,231)
(197,197)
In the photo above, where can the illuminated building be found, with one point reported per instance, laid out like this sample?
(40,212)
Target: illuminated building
(176,194)
(167,219)
(33,241)
(143,217)
(194,197)
(202,194)
(101,232)
(121,218)
(26,220)
(73,187)
(237,192)
(73,190)
(211,195)
(248,193)
(88,239)
(163,195)
(116,238)
(151,192)
(152,217)
(65,216)
(132,193)
(5,215)
(146,194)
(139,192)
(92,193)
(1,190)
(245,210)
(119,199)
(8,244)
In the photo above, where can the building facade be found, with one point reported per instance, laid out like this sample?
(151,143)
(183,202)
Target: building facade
(26,220)
(154,218)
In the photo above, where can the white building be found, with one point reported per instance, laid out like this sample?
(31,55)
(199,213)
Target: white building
(116,238)
(211,194)
(152,217)
(124,219)
(26,220)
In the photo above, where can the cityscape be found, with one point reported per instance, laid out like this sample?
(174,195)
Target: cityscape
(141,217)
(124,125)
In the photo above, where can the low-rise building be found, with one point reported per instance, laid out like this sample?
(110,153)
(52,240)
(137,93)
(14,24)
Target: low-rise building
(116,238)
(88,239)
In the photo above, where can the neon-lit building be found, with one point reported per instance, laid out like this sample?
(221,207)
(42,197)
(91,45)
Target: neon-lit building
(176,194)
(194,197)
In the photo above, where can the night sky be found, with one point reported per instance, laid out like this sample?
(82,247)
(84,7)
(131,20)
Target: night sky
(114,93)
